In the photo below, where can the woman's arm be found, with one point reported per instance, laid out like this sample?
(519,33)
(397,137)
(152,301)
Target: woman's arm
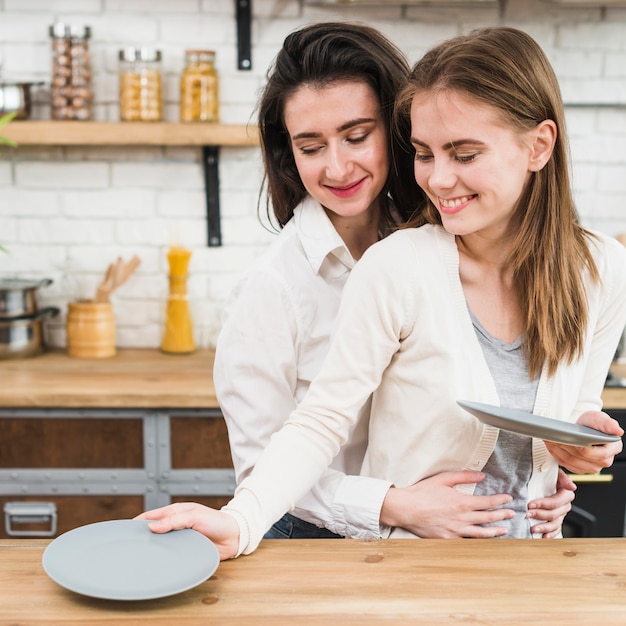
(220,527)
(265,358)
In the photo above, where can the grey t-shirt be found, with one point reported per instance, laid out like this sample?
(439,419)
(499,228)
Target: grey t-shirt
(509,467)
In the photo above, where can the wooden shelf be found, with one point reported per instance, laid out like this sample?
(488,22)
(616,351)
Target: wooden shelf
(209,136)
(61,133)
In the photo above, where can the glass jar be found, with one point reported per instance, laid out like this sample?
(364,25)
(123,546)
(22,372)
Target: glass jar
(199,94)
(71,93)
(140,85)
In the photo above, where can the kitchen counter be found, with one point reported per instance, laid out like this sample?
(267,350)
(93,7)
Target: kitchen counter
(130,379)
(135,378)
(120,435)
(560,582)
(615,397)
(107,438)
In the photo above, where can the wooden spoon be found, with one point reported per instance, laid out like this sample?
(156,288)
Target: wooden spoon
(125,270)
(106,286)
(117,274)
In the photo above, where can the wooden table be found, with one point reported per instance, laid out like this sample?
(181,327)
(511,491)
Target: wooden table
(566,582)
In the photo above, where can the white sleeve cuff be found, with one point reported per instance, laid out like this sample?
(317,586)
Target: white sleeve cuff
(244,532)
(359,500)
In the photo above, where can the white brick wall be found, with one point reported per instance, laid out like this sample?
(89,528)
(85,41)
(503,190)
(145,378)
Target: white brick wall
(65,213)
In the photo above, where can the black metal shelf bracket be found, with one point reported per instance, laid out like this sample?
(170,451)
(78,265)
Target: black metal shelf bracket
(211,162)
(243,9)
(211,154)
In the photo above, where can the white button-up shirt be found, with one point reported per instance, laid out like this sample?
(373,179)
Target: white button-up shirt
(276,333)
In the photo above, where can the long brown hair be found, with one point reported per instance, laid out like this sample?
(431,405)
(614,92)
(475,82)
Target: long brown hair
(319,55)
(506,69)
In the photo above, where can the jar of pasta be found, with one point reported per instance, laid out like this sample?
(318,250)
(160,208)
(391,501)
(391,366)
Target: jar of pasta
(199,87)
(71,93)
(140,85)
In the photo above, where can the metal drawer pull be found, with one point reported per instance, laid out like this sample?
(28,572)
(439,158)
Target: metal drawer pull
(30,513)
(592,478)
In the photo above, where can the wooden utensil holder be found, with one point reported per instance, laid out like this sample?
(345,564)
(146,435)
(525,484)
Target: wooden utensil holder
(90,330)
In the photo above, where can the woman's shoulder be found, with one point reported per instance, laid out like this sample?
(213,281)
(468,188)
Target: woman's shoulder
(421,240)
(408,253)
(606,249)
(609,256)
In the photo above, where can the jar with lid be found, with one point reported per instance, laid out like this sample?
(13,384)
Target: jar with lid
(199,94)
(140,85)
(71,92)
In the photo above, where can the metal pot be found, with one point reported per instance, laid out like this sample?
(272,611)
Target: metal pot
(23,336)
(18,298)
(16,97)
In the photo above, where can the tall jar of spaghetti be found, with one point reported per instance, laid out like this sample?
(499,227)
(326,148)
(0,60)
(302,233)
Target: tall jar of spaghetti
(140,85)
(199,93)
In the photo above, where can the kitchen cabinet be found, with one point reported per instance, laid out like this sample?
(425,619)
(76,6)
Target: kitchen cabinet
(108,438)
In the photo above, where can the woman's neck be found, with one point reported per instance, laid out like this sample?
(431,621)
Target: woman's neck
(358,232)
(489,289)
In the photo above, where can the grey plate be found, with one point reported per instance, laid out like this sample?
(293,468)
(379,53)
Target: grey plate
(124,560)
(532,425)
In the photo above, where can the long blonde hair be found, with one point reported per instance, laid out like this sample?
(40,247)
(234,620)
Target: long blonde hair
(505,68)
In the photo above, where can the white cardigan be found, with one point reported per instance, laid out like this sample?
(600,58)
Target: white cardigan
(404,332)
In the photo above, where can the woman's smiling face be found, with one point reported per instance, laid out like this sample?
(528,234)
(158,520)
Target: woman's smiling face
(472,166)
(340,145)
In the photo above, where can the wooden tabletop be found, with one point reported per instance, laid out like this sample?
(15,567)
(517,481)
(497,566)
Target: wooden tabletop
(508,582)
(130,379)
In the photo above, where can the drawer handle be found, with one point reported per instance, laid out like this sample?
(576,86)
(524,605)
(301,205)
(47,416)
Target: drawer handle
(592,478)
(30,513)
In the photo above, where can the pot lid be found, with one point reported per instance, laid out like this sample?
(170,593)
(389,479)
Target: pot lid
(20,284)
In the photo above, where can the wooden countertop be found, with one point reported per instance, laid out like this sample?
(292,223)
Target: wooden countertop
(435,582)
(130,379)
(134,379)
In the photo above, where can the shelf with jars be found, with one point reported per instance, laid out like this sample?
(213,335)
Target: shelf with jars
(210,136)
(73,133)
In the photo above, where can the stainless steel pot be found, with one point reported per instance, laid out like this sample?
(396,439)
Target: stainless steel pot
(23,336)
(16,97)
(18,297)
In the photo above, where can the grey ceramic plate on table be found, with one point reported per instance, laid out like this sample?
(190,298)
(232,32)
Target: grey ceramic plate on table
(532,425)
(124,560)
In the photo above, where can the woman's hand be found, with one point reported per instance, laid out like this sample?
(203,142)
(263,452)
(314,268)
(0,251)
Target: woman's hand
(221,528)
(551,511)
(590,459)
(434,508)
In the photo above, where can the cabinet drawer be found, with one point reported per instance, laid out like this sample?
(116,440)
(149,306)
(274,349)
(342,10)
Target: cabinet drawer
(71,442)
(105,464)
(199,442)
(73,511)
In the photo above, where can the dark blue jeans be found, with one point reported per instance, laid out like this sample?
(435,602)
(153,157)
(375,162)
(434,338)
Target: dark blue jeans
(291,527)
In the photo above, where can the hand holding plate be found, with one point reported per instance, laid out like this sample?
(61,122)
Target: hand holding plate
(590,460)
(221,528)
